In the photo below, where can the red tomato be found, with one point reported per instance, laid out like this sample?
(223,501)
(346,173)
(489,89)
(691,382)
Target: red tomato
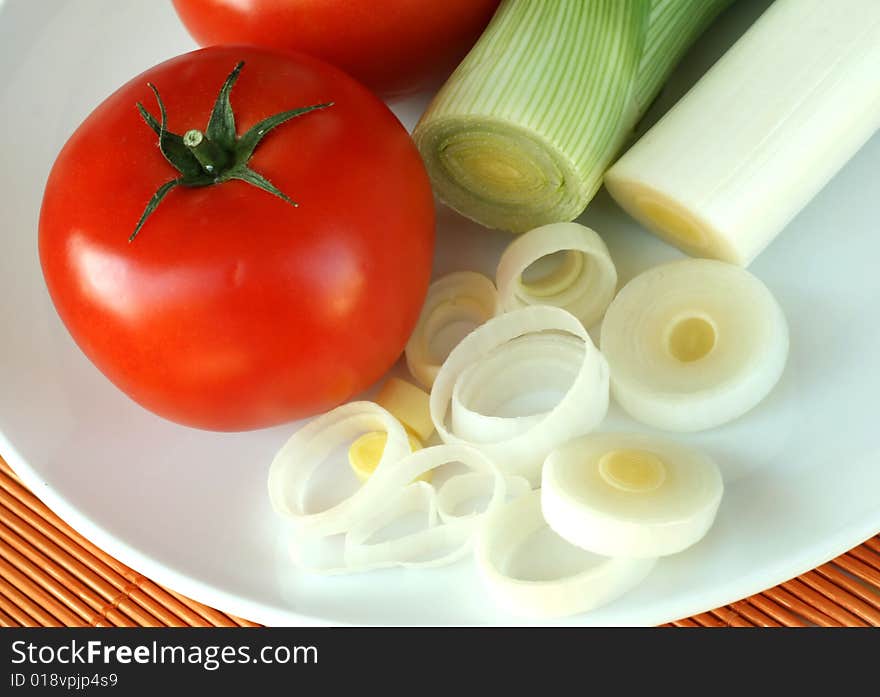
(232,309)
(393,46)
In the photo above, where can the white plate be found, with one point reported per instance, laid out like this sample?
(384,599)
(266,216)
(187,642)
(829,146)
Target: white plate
(190,509)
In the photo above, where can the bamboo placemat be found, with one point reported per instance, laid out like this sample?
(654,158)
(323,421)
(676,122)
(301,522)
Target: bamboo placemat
(52,576)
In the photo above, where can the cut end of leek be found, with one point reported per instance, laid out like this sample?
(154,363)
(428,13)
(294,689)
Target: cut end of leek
(691,338)
(630,495)
(498,174)
(635,471)
(693,344)
(672,222)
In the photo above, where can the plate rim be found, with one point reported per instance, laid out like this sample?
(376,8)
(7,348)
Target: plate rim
(787,567)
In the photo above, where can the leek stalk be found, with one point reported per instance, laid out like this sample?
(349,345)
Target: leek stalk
(524,129)
(761,133)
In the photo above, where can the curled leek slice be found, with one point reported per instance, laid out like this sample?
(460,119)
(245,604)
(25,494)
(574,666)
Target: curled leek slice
(693,344)
(297,461)
(530,365)
(455,305)
(355,552)
(388,496)
(630,495)
(514,560)
(419,497)
(582,282)
(578,412)
(463,489)
(448,534)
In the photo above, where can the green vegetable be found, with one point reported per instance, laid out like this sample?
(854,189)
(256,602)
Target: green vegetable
(523,131)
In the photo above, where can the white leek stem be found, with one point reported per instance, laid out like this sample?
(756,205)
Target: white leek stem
(761,133)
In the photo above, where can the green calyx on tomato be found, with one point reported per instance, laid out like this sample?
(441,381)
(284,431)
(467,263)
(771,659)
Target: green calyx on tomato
(216,155)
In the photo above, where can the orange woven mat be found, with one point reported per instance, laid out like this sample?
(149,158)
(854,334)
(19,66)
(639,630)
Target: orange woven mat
(52,576)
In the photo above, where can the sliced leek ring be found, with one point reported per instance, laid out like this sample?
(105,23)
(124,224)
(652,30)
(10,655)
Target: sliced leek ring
(354,553)
(388,495)
(296,462)
(448,535)
(462,488)
(693,344)
(455,304)
(630,495)
(583,283)
(529,364)
(585,581)
(363,555)
(580,410)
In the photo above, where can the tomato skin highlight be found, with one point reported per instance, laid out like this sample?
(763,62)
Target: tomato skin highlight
(395,47)
(232,309)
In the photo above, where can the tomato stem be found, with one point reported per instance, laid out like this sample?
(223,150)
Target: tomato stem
(217,154)
(211,157)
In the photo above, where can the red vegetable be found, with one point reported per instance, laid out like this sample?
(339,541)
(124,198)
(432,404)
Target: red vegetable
(233,309)
(393,46)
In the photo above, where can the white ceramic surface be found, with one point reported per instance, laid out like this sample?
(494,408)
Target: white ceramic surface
(190,509)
